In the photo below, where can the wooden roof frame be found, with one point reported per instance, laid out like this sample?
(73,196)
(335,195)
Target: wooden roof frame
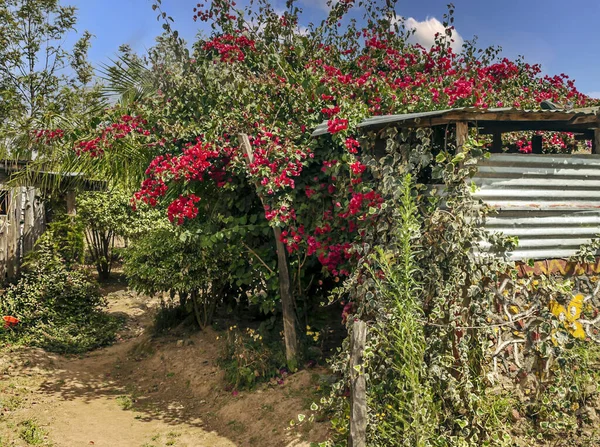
(584,122)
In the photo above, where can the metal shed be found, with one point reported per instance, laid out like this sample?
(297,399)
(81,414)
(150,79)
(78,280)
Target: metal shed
(550,202)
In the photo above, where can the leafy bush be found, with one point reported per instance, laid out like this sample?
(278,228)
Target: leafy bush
(249,359)
(201,268)
(105,215)
(59,309)
(64,237)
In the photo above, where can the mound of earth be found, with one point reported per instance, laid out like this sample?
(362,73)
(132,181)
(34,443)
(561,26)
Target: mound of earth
(148,392)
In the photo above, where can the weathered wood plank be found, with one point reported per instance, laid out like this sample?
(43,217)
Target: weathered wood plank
(13,252)
(3,246)
(71,203)
(29,220)
(39,217)
(358,386)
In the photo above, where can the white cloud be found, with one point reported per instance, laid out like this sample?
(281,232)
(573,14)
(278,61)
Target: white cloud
(321,4)
(595,95)
(426,30)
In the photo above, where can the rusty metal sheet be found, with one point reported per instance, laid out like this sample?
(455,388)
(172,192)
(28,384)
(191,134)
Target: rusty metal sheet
(551,203)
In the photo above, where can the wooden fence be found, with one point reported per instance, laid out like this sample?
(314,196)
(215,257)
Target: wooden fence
(21,224)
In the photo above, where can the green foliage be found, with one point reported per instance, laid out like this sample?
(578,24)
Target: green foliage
(442,315)
(209,265)
(170,314)
(125,402)
(31,432)
(248,359)
(400,395)
(33,83)
(59,309)
(106,215)
(63,237)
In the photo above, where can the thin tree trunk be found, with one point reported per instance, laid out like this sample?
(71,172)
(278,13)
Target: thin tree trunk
(285,290)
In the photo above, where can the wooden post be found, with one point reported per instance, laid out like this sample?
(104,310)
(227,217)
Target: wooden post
(3,246)
(13,243)
(29,220)
(497,143)
(285,288)
(39,216)
(358,387)
(71,203)
(596,142)
(536,144)
(462,132)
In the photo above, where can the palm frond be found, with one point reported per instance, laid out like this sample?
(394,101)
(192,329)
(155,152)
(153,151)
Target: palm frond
(126,81)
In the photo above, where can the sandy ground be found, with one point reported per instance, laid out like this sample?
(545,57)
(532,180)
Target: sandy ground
(148,392)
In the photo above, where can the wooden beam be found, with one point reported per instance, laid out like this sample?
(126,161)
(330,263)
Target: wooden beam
(358,386)
(596,142)
(586,119)
(491,128)
(462,133)
(285,289)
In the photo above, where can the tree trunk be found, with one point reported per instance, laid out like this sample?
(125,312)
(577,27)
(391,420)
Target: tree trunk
(285,289)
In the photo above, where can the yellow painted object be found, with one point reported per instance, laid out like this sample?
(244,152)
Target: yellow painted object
(570,315)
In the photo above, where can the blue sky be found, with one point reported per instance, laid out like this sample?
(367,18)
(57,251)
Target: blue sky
(560,35)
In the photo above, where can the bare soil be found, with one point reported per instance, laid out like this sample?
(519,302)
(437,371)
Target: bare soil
(147,392)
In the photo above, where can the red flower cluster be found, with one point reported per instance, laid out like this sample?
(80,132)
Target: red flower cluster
(276,161)
(337,125)
(230,48)
(90,147)
(109,134)
(357,168)
(352,145)
(46,136)
(197,162)
(283,213)
(183,208)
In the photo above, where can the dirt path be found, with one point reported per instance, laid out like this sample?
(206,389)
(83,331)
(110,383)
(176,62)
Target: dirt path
(144,392)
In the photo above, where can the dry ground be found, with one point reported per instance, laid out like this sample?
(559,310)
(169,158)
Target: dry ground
(146,392)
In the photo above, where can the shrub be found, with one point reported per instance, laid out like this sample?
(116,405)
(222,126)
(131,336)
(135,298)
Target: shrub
(105,215)
(59,309)
(248,359)
(64,237)
(168,260)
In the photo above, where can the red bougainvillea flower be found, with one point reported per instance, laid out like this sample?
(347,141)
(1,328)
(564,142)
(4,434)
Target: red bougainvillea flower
(337,125)
(183,208)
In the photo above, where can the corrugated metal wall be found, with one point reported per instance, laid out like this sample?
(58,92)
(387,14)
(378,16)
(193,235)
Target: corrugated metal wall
(550,202)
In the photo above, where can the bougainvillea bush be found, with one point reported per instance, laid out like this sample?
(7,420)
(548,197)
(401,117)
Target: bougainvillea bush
(262,73)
